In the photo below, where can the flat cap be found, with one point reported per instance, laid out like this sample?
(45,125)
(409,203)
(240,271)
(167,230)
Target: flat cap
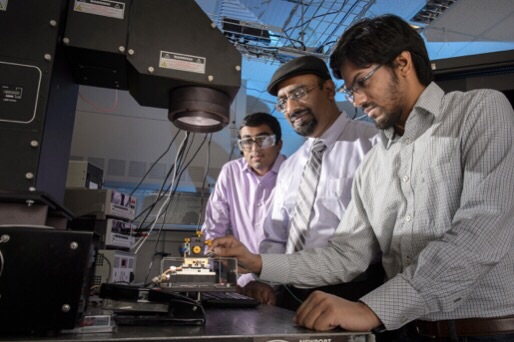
(298,66)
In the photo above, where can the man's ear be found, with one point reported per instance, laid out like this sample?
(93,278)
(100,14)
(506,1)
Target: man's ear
(330,88)
(279,144)
(404,62)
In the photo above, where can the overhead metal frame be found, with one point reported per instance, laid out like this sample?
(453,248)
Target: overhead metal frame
(310,27)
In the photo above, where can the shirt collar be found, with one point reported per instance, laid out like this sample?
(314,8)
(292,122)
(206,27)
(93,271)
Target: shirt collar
(274,169)
(430,100)
(333,132)
(276,165)
(428,103)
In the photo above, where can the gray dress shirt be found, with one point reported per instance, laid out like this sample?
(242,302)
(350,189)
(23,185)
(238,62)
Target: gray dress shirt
(439,203)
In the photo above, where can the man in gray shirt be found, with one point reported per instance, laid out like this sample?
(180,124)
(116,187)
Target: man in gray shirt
(435,197)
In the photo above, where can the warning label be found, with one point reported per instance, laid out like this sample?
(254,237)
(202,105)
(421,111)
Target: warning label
(178,61)
(3,5)
(106,8)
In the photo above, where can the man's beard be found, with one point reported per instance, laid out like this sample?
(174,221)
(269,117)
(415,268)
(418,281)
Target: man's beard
(392,117)
(307,127)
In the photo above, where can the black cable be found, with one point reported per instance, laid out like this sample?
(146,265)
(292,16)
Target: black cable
(161,193)
(155,163)
(304,48)
(160,230)
(178,165)
(152,205)
(352,7)
(181,156)
(315,17)
(109,275)
(149,208)
(182,170)
(178,161)
(202,192)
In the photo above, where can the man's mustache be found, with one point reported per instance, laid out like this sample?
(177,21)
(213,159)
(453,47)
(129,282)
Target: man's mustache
(298,113)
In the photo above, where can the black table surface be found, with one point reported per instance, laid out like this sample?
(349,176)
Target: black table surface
(262,324)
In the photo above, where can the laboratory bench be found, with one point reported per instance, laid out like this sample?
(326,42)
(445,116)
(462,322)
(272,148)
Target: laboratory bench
(264,323)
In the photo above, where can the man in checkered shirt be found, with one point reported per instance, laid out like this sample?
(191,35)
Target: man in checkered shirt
(435,197)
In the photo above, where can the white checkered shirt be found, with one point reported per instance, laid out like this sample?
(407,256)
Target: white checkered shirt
(439,203)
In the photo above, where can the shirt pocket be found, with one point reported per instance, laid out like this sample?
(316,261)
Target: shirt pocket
(336,193)
(438,187)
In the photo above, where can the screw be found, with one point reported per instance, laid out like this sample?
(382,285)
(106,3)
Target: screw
(34,143)
(74,245)
(66,308)
(66,41)
(121,48)
(48,57)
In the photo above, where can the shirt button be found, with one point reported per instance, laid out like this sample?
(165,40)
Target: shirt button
(405,178)
(408,218)
(259,204)
(407,141)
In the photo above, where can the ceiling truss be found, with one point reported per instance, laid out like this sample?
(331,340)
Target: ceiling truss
(311,27)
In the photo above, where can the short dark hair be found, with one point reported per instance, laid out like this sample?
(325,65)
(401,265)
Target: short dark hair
(380,40)
(259,118)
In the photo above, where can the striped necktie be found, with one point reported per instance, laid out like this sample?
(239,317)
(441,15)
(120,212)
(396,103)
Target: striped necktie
(305,199)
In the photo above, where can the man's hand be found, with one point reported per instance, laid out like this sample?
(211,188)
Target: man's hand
(229,246)
(260,291)
(322,311)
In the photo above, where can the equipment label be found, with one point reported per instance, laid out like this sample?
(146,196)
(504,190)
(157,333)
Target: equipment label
(3,5)
(106,8)
(178,61)
(10,93)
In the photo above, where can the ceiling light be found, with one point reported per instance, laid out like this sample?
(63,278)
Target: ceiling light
(432,10)
(245,32)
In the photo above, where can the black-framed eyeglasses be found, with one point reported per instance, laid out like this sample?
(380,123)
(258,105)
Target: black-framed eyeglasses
(263,141)
(296,95)
(359,83)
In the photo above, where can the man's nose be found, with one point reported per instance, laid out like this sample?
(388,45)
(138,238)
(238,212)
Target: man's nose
(255,146)
(291,105)
(358,99)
